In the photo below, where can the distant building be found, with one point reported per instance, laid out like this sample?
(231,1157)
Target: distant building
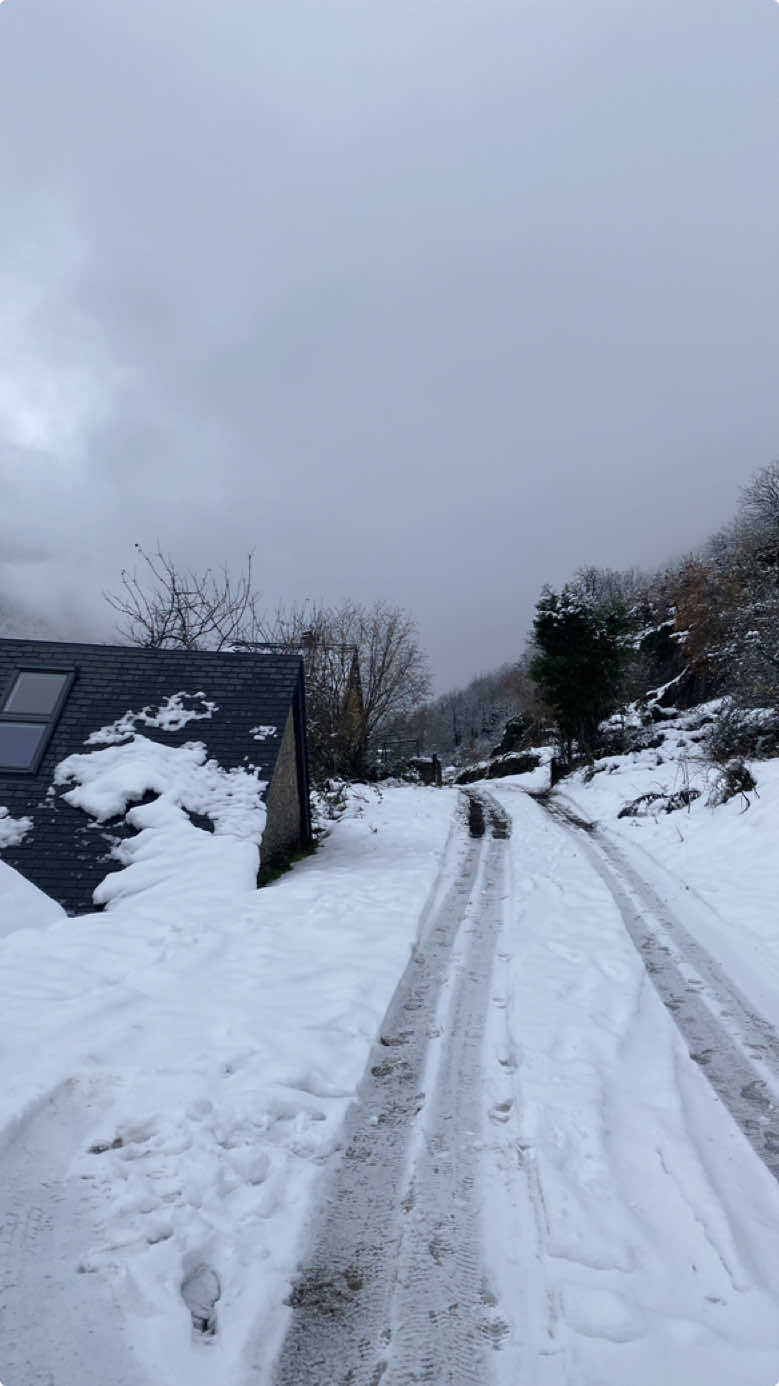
(55,696)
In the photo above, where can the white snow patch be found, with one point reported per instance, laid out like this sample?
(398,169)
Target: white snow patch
(23,905)
(168,848)
(12,830)
(170,716)
(110,779)
(262,733)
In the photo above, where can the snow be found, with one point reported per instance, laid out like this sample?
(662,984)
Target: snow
(631,1227)
(226,1030)
(22,905)
(262,733)
(168,852)
(12,830)
(530,780)
(110,779)
(171,715)
(717,866)
(197,1047)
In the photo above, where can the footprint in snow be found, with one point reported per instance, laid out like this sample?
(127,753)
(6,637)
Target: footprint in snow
(200,1291)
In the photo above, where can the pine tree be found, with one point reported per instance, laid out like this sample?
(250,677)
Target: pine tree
(578,669)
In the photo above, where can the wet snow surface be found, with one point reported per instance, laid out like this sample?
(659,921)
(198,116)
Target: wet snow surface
(475,1095)
(737,1047)
(393,1287)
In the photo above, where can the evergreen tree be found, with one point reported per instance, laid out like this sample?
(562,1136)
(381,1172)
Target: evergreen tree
(579,665)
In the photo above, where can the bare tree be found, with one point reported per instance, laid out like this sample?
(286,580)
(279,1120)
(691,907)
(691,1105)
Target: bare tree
(606,589)
(363,664)
(394,671)
(364,670)
(179,608)
(760,500)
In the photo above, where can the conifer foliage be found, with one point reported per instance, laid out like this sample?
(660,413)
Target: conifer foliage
(579,665)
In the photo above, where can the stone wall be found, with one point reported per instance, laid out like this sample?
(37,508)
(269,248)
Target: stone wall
(282,834)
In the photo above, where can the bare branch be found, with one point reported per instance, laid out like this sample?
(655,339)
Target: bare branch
(364,669)
(172,608)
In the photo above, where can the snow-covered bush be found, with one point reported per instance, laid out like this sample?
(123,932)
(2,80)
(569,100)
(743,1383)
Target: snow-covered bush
(654,802)
(734,778)
(737,732)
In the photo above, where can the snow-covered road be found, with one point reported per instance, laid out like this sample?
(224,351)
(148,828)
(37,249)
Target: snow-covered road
(537,1184)
(392,1288)
(736,1046)
(555,1169)
(630,1226)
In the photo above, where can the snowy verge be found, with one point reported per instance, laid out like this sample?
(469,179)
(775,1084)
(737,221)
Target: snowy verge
(228,1029)
(631,1229)
(716,867)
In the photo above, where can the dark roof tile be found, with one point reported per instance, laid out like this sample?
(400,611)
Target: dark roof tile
(249,689)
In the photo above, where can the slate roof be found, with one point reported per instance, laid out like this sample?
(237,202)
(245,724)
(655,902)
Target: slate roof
(62,852)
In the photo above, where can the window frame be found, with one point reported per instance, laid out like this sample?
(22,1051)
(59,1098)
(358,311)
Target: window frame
(48,720)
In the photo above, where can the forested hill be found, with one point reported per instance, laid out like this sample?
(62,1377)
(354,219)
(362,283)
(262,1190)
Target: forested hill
(706,624)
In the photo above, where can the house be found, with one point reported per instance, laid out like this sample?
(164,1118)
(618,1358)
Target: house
(58,700)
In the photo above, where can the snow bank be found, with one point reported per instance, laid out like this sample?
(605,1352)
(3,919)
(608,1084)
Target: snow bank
(631,1228)
(718,866)
(22,905)
(227,1029)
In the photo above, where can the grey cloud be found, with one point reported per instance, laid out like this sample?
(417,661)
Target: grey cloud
(427,301)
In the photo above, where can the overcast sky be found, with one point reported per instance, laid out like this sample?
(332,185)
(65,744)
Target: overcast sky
(429,300)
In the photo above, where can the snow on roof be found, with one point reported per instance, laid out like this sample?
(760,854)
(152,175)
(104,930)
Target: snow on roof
(122,692)
(171,715)
(12,830)
(108,782)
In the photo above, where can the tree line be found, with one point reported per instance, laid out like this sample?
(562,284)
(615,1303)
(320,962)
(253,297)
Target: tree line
(701,626)
(704,626)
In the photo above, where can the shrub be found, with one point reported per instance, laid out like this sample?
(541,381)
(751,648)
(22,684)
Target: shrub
(657,802)
(736,733)
(734,778)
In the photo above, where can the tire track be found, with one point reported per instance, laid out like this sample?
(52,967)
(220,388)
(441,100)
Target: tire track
(391,1290)
(736,1048)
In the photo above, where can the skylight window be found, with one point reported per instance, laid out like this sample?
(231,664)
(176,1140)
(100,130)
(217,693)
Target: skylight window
(28,714)
(34,694)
